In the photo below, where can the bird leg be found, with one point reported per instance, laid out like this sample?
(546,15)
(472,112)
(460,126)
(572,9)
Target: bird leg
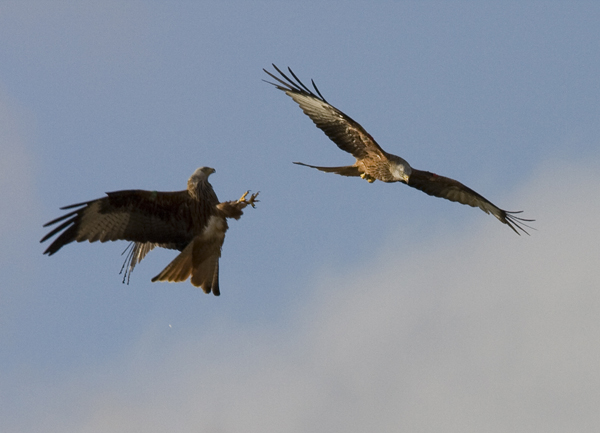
(367,177)
(251,200)
(243,197)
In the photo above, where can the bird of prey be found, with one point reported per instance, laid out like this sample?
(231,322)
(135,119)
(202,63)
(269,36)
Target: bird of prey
(191,221)
(374,163)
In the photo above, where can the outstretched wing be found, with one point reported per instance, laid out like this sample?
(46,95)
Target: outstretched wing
(453,190)
(340,128)
(133,215)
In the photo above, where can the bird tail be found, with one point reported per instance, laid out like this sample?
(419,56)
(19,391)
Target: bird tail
(179,269)
(197,260)
(348,170)
(207,276)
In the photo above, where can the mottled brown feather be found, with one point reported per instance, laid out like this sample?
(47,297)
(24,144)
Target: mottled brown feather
(348,134)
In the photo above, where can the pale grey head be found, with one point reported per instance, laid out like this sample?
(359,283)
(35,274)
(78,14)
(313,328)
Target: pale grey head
(200,176)
(202,173)
(399,168)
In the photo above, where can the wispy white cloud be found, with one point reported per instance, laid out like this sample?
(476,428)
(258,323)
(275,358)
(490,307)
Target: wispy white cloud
(484,332)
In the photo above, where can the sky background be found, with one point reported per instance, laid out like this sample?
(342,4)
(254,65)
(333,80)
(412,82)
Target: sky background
(345,306)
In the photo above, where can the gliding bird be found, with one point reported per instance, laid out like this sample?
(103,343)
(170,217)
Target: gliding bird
(374,163)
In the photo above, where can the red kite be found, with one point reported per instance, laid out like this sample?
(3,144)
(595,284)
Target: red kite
(191,221)
(374,163)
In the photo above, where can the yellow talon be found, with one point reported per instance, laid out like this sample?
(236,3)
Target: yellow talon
(251,200)
(367,177)
(243,197)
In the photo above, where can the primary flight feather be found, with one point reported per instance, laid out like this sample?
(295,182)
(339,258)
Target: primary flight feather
(191,221)
(374,163)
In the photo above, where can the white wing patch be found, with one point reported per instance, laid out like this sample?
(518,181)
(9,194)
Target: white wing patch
(215,229)
(312,105)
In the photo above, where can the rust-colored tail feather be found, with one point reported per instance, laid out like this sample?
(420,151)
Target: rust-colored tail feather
(197,260)
(179,269)
(207,276)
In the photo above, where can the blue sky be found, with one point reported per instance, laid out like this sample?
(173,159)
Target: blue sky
(345,306)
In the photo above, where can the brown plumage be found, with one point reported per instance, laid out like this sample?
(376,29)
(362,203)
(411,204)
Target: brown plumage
(191,221)
(374,163)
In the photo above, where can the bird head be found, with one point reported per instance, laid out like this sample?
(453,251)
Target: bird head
(202,173)
(400,169)
(200,176)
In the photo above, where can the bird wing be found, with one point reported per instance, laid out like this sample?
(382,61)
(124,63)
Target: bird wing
(453,190)
(133,215)
(348,134)
(135,253)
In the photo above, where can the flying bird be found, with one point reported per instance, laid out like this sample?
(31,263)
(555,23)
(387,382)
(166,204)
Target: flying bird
(191,221)
(372,162)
